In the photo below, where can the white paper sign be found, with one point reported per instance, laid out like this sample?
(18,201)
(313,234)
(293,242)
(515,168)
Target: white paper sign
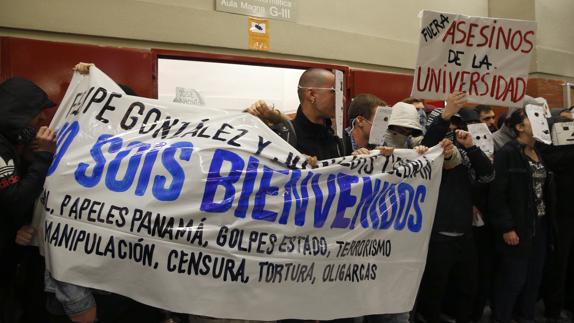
(482,137)
(488,58)
(339,100)
(198,210)
(563,133)
(380,125)
(538,122)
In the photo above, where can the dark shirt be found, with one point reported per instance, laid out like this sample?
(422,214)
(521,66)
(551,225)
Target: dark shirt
(316,139)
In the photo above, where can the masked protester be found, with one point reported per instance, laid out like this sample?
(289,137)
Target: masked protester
(521,201)
(25,156)
(451,259)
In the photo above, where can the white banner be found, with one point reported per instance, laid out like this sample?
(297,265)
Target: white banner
(202,211)
(488,58)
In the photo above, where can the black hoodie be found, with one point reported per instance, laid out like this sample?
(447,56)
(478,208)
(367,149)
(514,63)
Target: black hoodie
(20,102)
(455,200)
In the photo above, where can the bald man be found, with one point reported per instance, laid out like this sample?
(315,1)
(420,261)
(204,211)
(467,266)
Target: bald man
(312,123)
(310,131)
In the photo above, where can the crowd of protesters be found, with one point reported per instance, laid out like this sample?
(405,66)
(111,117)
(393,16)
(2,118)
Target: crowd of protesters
(501,237)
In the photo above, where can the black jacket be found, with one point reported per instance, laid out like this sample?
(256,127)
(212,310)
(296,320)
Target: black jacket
(455,200)
(316,139)
(20,186)
(512,202)
(560,159)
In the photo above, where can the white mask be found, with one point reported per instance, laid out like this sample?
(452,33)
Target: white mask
(563,133)
(482,137)
(536,116)
(380,125)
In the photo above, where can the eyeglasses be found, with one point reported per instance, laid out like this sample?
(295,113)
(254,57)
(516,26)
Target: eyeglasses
(331,89)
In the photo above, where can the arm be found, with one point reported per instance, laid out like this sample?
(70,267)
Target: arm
(16,191)
(482,168)
(27,188)
(267,114)
(440,123)
(481,164)
(436,132)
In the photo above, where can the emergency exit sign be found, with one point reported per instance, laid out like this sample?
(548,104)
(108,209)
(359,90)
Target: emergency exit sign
(272,9)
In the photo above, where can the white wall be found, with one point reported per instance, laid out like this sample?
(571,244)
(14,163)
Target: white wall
(555,48)
(374,34)
(230,87)
(377,32)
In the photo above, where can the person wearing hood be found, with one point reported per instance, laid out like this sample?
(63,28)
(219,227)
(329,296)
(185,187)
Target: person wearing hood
(25,156)
(420,106)
(451,256)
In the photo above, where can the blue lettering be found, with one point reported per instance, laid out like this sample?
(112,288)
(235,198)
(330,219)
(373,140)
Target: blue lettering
(215,179)
(300,201)
(289,186)
(415,222)
(259,212)
(124,184)
(321,211)
(171,192)
(405,204)
(65,137)
(147,167)
(247,189)
(366,197)
(387,204)
(370,204)
(96,151)
(346,200)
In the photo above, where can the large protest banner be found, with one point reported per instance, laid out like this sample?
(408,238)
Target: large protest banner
(488,58)
(202,211)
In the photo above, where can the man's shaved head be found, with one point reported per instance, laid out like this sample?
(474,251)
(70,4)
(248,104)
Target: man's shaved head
(314,77)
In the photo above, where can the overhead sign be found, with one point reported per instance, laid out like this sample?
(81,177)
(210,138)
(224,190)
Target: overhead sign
(258,31)
(198,210)
(488,58)
(273,9)
(339,102)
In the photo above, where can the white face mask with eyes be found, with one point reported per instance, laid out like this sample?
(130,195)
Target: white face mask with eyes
(538,122)
(482,138)
(380,125)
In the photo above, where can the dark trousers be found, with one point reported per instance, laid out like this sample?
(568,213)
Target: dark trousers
(484,241)
(22,296)
(557,267)
(518,278)
(114,308)
(451,260)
